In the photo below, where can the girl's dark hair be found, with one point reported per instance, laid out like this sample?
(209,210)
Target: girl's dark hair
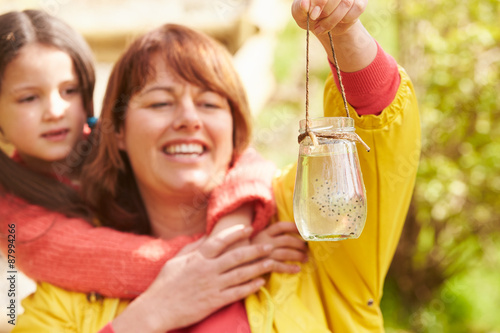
(18,29)
(108,182)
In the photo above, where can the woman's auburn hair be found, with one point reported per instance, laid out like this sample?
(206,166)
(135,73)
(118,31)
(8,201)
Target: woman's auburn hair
(18,29)
(108,182)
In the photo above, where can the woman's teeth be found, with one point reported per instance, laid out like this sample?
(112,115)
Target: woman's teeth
(184,148)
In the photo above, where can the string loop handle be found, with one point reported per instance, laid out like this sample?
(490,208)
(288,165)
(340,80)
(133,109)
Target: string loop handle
(308,132)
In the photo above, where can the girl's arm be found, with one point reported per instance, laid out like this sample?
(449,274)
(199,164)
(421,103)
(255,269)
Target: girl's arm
(70,253)
(248,181)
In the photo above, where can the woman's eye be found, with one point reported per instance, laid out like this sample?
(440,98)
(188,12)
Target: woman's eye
(160,105)
(211,100)
(210,105)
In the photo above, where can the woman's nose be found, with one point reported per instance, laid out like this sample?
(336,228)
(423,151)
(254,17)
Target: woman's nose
(55,108)
(187,115)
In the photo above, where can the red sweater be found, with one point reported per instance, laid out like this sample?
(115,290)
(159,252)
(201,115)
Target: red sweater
(373,88)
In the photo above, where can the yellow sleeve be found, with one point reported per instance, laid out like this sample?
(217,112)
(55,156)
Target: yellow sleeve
(351,273)
(46,311)
(54,310)
(389,172)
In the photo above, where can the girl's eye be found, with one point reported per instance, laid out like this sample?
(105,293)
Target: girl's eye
(71,90)
(28,99)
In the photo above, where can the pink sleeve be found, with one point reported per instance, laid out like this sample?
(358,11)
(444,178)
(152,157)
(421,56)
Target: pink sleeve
(74,255)
(249,180)
(372,89)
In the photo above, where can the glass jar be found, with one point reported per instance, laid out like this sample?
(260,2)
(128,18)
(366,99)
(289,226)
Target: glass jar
(329,201)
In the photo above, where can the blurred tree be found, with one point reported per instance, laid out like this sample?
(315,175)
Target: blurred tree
(452,52)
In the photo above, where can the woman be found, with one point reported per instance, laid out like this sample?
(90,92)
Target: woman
(185,112)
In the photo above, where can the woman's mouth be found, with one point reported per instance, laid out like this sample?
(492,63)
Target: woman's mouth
(187,150)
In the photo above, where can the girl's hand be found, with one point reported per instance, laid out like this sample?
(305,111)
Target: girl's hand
(287,246)
(242,216)
(195,284)
(336,16)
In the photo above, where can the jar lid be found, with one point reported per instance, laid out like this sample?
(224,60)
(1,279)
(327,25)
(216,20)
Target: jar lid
(323,124)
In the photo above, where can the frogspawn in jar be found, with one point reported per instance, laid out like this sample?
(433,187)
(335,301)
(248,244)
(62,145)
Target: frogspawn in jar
(329,197)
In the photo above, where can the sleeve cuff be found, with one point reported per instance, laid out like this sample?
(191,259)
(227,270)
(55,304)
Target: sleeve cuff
(249,180)
(373,88)
(255,192)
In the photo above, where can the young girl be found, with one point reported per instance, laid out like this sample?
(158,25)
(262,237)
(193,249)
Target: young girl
(46,87)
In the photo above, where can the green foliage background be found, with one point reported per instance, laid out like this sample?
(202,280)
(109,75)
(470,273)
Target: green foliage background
(445,276)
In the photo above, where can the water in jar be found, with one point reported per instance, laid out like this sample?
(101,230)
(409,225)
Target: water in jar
(329,198)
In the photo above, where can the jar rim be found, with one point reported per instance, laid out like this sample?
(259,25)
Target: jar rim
(327,124)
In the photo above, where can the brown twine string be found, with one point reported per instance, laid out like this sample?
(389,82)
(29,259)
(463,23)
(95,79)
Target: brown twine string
(338,74)
(307,74)
(346,136)
(339,136)
(309,133)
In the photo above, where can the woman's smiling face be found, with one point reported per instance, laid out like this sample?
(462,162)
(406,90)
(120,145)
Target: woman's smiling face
(178,136)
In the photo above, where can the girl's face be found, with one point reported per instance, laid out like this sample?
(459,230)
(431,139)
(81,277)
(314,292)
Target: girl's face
(41,107)
(178,136)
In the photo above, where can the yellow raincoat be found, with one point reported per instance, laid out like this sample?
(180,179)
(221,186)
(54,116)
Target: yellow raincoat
(340,288)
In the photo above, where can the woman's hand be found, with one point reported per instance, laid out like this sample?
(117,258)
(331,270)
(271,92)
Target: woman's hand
(355,49)
(336,16)
(287,246)
(195,284)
